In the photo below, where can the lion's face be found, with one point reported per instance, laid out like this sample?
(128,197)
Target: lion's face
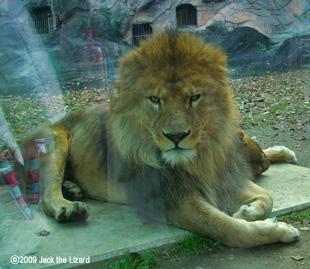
(172,99)
(176,115)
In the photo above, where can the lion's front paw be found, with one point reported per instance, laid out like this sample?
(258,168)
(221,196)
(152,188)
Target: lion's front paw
(72,212)
(288,233)
(251,212)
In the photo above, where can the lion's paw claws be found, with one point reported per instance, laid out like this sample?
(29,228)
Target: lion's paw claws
(72,212)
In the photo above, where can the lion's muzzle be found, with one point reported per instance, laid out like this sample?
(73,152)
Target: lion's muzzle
(176,138)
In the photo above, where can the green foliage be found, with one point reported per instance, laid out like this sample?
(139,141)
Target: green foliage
(144,261)
(5,109)
(193,244)
(296,216)
(261,46)
(276,48)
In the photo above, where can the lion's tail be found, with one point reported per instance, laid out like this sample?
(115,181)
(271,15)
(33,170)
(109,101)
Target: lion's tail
(280,154)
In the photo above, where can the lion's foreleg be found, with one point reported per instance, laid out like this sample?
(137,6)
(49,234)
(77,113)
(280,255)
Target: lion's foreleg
(53,166)
(197,215)
(256,203)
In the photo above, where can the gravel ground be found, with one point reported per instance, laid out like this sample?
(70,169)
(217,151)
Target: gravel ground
(275,110)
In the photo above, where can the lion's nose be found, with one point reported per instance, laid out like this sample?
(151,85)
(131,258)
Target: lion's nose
(176,138)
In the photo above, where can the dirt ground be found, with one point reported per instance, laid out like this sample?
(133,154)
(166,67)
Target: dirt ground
(275,110)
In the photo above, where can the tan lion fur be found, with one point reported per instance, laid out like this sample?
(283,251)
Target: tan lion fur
(170,62)
(170,141)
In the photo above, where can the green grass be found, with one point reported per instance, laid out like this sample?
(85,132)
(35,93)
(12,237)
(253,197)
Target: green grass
(134,261)
(296,216)
(193,244)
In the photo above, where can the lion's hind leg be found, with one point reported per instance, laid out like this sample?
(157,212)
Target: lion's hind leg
(256,158)
(280,153)
(52,169)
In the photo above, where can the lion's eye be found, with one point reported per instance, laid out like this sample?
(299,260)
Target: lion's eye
(154,100)
(194,98)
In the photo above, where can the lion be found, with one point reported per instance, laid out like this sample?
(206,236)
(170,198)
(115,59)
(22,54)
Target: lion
(170,140)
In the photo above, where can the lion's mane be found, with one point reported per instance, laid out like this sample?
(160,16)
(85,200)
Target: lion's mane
(219,165)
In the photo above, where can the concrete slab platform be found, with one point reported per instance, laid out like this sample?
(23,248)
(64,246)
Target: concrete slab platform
(289,186)
(110,230)
(113,229)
